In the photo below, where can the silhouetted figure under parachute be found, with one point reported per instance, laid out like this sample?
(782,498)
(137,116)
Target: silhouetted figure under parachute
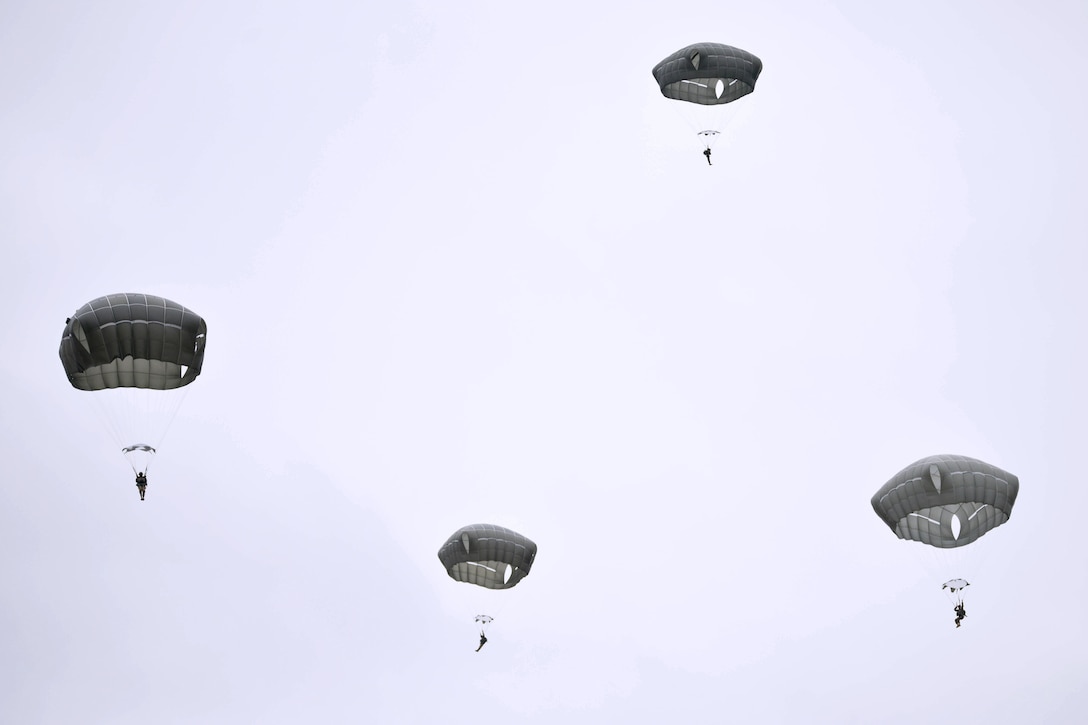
(961,614)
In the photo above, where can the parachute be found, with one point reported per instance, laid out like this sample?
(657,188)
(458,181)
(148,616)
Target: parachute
(488,556)
(956,585)
(947,502)
(954,588)
(709,75)
(132,341)
(134,352)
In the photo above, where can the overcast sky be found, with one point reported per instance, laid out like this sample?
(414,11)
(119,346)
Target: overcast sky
(463,263)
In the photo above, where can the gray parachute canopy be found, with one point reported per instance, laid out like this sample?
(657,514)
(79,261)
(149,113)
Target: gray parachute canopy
(923,501)
(486,555)
(132,341)
(708,74)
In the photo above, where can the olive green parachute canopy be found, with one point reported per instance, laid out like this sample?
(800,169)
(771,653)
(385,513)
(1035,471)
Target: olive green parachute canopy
(486,555)
(946,501)
(132,341)
(708,74)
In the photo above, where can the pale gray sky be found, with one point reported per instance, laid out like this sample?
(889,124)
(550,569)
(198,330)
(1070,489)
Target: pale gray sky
(462,262)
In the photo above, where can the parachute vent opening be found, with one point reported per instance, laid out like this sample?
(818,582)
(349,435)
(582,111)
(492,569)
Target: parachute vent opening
(464,542)
(81,337)
(956,526)
(696,59)
(184,369)
(507,573)
(719,88)
(935,476)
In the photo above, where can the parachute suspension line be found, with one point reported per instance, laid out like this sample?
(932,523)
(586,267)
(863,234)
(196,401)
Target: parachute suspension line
(172,414)
(944,564)
(713,120)
(939,564)
(109,414)
(160,417)
(686,120)
(137,419)
(955,596)
(490,606)
(980,553)
(154,413)
(499,609)
(728,113)
(136,469)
